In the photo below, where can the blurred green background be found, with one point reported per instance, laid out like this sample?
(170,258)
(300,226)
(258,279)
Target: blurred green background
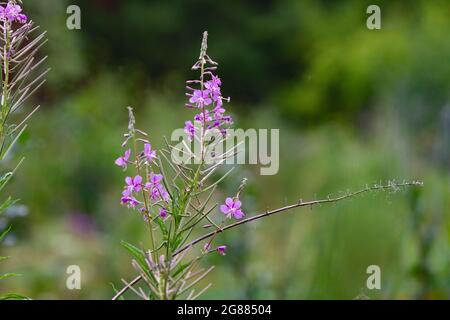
(354,107)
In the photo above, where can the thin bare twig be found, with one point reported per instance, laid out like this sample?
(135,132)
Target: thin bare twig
(390,185)
(299,204)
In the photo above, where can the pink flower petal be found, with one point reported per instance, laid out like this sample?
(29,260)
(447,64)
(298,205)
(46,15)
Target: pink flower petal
(239,214)
(229,202)
(224,209)
(120,162)
(137,180)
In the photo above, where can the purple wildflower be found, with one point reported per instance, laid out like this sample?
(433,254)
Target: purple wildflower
(12,12)
(159,192)
(133,185)
(123,161)
(222,250)
(164,194)
(154,180)
(149,153)
(227,120)
(203,116)
(154,193)
(201,98)
(189,129)
(156,189)
(213,86)
(21,18)
(214,83)
(218,111)
(213,117)
(163,213)
(131,202)
(232,207)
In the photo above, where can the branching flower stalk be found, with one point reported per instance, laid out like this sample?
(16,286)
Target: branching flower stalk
(20,78)
(175,199)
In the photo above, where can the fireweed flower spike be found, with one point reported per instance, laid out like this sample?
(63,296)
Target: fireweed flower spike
(21,76)
(19,65)
(207,98)
(171,267)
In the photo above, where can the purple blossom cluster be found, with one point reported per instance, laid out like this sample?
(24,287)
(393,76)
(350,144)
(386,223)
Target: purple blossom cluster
(151,190)
(12,12)
(208,100)
(147,193)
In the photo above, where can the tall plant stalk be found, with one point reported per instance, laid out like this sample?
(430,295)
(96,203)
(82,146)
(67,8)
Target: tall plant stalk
(176,199)
(20,78)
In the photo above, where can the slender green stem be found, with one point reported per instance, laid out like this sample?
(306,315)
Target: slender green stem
(192,187)
(5,84)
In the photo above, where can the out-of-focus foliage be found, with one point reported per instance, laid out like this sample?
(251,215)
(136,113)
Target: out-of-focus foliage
(354,107)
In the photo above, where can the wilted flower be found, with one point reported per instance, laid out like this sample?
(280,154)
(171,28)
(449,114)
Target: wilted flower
(222,250)
(207,247)
(163,213)
(123,161)
(232,207)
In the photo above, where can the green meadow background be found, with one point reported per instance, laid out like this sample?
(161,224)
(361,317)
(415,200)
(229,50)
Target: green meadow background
(354,107)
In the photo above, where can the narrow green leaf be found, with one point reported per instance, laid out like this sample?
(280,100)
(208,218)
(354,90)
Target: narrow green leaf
(9,275)
(4,233)
(14,296)
(6,204)
(162,226)
(7,176)
(137,253)
(9,147)
(180,269)
(4,178)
